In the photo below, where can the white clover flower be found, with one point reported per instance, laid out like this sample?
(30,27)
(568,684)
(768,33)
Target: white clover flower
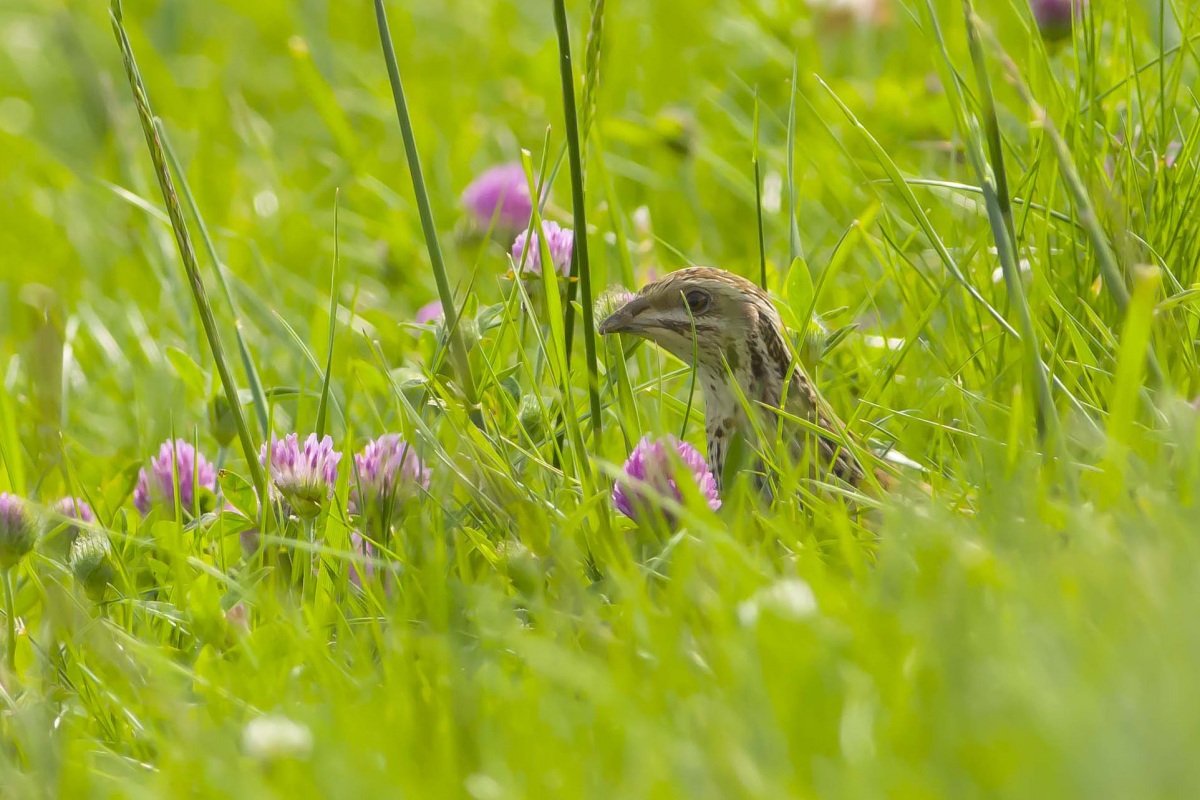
(275,737)
(790,598)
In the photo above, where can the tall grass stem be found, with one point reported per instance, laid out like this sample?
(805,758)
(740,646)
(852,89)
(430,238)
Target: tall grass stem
(1114,279)
(999,206)
(257,395)
(758,214)
(10,621)
(323,406)
(458,350)
(580,254)
(186,251)
(795,245)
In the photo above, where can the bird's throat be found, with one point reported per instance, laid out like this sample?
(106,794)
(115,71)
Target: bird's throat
(725,424)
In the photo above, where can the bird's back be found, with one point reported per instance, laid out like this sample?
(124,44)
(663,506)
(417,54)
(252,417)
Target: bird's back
(771,362)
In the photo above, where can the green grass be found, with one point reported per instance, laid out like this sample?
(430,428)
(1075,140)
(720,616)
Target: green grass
(1029,630)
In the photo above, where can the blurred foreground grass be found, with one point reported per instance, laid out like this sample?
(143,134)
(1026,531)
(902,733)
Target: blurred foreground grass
(1028,631)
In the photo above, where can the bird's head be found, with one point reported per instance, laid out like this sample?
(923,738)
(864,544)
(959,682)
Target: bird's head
(701,310)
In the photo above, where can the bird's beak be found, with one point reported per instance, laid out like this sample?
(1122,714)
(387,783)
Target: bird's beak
(624,319)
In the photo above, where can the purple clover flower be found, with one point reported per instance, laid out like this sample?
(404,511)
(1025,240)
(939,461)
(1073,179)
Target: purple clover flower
(559,240)
(502,192)
(18,529)
(157,487)
(651,472)
(388,469)
(305,476)
(75,508)
(1054,17)
(430,312)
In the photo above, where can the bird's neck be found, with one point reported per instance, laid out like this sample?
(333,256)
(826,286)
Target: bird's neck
(721,400)
(749,375)
(726,399)
(748,383)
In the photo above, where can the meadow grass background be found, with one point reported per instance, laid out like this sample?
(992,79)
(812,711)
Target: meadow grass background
(1029,630)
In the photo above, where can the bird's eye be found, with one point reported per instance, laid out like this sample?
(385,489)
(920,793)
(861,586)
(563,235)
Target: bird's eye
(697,301)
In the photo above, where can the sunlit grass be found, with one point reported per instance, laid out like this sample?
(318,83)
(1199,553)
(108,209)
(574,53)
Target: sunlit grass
(998,236)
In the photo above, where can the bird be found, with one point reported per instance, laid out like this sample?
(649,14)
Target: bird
(728,328)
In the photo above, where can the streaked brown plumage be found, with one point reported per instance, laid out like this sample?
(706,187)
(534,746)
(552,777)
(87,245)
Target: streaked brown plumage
(738,335)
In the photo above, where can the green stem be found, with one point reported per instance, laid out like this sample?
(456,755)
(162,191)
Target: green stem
(795,247)
(582,270)
(1111,271)
(186,251)
(999,210)
(323,406)
(306,565)
(256,388)
(10,607)
(458,350)
(762,242)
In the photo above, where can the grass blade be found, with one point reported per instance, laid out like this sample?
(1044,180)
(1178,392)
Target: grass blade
(186,251)
(762,244)
(256,388)
(994,184)
(966,187)
(901,184)
(555,351)
(1114,280)
(458,350)
(323,406)
(580,256)
(1127,381)
(10,443)
(795,246)
(591,70)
